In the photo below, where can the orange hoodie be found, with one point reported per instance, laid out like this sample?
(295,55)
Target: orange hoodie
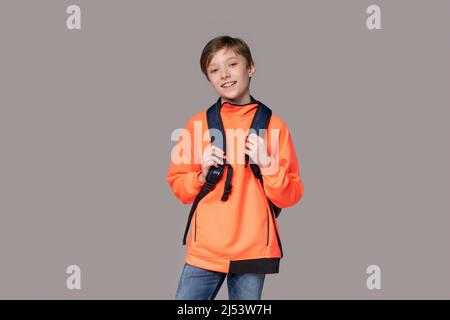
(239,235)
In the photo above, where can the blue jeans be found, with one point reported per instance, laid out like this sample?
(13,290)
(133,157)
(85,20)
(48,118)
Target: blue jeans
(200,284)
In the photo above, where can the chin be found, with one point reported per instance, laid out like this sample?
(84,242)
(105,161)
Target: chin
(231,96)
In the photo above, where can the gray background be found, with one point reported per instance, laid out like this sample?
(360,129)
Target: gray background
(86,118)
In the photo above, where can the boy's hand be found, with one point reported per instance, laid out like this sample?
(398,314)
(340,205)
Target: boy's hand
(256,149)
(212,156)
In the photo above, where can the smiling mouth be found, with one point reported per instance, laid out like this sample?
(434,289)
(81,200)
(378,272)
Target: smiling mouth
(229,84)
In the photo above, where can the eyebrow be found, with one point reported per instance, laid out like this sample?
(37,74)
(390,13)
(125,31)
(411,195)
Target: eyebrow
(213,64)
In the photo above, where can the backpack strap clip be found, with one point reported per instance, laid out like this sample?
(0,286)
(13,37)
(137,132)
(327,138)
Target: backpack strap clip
(228,186)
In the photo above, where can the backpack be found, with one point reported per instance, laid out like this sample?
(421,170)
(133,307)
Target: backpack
(260,121)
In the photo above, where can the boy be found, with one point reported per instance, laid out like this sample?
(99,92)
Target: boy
(238,238)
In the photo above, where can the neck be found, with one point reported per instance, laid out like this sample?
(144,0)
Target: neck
(239,101)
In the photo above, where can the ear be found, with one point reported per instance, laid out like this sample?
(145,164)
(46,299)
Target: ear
(251,70)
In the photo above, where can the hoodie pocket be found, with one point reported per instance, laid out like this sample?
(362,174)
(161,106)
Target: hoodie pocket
(268,227)
(195,226)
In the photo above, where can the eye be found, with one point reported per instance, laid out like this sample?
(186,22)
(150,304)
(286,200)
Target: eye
(233,64)
(212,71)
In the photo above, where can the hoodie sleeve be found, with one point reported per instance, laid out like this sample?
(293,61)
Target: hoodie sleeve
(183,171)
(282,182)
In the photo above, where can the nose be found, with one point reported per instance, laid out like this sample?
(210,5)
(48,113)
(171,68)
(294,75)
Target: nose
(225,73)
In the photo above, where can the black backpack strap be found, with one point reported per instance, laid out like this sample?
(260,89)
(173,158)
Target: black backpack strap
(228,186)
(207,187)
(260,122)
(218,139)
(217,132)
(214,174)
(274,211)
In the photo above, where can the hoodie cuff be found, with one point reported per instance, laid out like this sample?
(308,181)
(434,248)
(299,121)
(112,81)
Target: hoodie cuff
(193,186)
(272,169)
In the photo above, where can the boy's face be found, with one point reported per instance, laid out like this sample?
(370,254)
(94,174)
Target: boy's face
(230,77)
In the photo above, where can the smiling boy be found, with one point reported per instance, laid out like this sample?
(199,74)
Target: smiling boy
(238,238)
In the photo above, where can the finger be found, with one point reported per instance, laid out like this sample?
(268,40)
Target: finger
(251,146)
(208,164)
(253,139)
(219,157)
(250,143)
(212,152)
(217,150)
(207,151)
(214,163)
(219,160)
(261,139)
(214,158)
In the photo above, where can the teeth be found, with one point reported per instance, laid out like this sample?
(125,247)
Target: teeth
(229,84)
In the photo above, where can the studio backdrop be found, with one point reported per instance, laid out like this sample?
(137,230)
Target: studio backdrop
(91,92)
